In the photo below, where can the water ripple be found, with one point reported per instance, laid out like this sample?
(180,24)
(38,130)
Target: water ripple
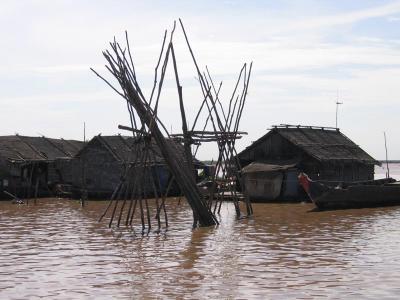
(58,250)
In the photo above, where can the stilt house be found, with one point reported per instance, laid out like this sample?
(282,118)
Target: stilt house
(272,163)
(103,162)
(29,164)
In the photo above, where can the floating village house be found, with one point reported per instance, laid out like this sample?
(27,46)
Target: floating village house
(101,164)
(272,163)
(32,166)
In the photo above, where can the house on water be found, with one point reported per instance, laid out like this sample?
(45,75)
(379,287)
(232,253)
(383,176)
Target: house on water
(34,165)
(271,164)
(102,163)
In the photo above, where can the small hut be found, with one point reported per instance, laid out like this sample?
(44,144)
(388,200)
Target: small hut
(272,163)
(34,165)
(101,164)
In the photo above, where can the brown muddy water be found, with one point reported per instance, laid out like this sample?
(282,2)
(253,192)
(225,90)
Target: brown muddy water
(57,250)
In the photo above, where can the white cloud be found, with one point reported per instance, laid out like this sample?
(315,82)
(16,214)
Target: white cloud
(298,65)
(344,18)
(393,19)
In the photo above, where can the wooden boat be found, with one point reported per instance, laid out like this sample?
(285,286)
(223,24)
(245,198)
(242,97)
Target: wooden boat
(381,192)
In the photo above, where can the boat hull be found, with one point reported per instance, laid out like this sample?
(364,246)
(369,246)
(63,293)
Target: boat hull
(359,197)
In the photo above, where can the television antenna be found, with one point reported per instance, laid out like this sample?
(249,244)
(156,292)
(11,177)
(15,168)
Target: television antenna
(337,108)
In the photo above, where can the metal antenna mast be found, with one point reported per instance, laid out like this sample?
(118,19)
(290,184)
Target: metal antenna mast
(337,107)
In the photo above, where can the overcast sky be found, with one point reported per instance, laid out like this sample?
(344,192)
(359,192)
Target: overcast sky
(304,54)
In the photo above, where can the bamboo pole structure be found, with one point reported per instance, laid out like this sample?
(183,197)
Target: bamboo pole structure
(146,126)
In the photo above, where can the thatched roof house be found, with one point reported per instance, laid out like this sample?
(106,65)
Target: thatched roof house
(125,149)
(325,154)
(25,160)
(28,148)
(100,164)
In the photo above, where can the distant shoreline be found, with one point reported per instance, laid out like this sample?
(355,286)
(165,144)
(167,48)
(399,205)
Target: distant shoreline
(390,161)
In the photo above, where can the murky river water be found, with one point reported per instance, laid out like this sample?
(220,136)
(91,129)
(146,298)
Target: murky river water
(57,250)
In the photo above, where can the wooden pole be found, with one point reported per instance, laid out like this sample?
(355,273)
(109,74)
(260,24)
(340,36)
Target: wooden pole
(387,162)
(120,65)
(36,189)
(185,180)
